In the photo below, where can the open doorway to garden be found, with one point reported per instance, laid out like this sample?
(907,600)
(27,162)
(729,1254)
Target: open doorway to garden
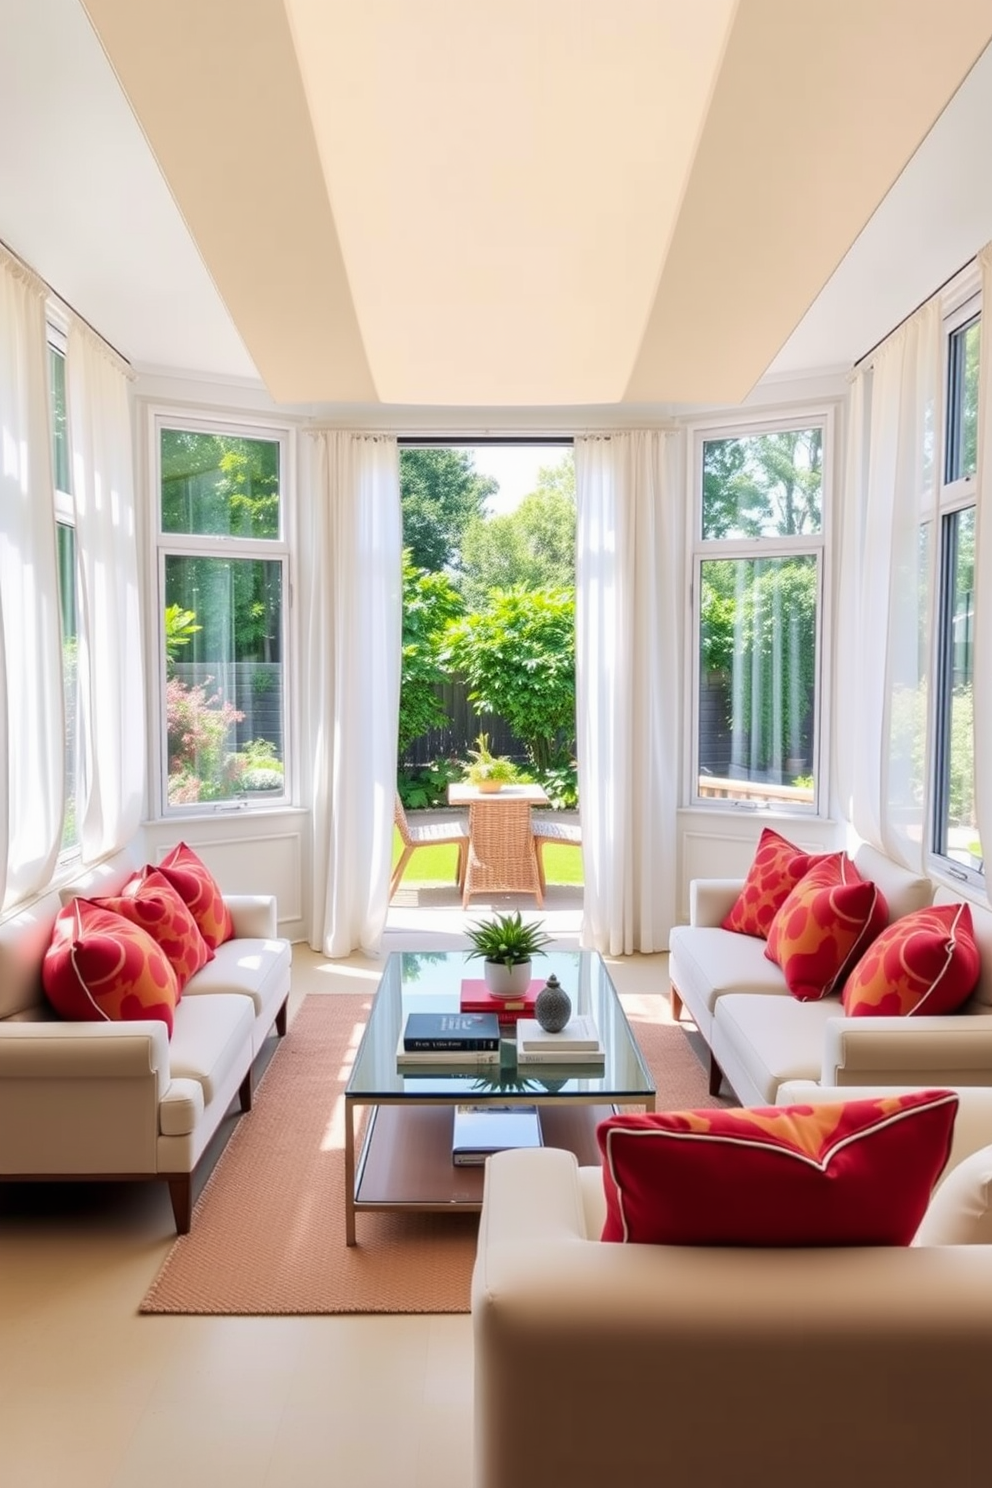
(488,642)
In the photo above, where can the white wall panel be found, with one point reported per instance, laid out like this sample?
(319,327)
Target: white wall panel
(717,844)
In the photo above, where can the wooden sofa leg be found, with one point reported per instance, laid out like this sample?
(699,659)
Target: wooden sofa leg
(281,1018)
(716,1076)
(676,1003)
(181,1194)
(244,1092)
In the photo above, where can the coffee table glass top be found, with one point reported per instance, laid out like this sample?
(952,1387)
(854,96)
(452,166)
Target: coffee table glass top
(430,981)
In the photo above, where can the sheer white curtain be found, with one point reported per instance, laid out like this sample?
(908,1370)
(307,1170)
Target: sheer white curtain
(111,672)
(982,655)
(884,594)
(352,542)
(629,659)
(32,723)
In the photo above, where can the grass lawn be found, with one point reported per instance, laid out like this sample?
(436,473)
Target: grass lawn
(562,865)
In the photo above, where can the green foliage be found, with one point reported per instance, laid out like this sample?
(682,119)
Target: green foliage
(219,484)
(532,547)
(422,788)
(507,938)
(180,627)
(440,493)
(767,485)
(430,601)
(561,785)
(519,661)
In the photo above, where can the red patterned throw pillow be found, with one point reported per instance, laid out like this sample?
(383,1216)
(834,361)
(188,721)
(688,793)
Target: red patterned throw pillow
(824,926)
(925,962)
(857,1172)
(776,868)
(100,967)
(149,900)
(198,888)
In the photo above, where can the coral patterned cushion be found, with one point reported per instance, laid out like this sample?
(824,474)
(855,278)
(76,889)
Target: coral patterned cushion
(825,924)
(198,889)
(857,1172)
(149,900)
(925,962)
(100,967)
(776,868)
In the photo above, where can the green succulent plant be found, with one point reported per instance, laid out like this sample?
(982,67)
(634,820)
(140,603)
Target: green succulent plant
(488,766)
(507,938)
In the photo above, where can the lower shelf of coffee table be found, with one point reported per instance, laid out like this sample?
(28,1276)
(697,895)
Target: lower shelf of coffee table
(406,1162)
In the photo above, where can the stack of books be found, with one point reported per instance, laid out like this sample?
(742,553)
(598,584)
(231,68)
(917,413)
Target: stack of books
(577,1043)
(449,1039)
(481,1130)
(477,998)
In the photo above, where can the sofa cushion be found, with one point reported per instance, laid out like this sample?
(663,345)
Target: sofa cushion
(199,889)
(767,1040)
(925,963)
(707,963)
(824,926)
(776,868)
(213,1036)
(255,968)
(149,900)
(101,967)
(847,1173)
(960,1212)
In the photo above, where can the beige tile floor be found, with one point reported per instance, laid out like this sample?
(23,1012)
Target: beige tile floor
(92,1395)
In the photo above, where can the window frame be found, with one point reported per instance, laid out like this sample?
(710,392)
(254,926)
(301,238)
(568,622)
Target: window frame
(57,342)
(164,545)
(700,549)
(962,307)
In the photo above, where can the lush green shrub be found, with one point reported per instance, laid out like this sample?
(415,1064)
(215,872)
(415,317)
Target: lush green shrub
(430,601)
(428,786)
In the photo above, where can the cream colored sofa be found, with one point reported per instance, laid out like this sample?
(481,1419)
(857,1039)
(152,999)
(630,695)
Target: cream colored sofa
(122,1100)
(680,1367)
(760,1036)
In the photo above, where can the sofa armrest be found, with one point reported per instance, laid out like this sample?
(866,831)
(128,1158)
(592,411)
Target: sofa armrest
(254,916)
(623,1334)
(937,1050)
(46,1051)
(712,899)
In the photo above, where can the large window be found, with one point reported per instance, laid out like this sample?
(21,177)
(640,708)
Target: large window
(66,553)
(223,561)
(757,579)
(955,836)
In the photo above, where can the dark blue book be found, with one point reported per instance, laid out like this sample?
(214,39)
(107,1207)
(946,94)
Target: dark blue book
(471,1033)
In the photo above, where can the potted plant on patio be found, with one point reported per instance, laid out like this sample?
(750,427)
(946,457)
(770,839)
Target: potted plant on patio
(507,944)
(490,772)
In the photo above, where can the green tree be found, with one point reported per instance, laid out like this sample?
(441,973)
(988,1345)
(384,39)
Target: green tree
(768,485)
(532,547)
(440,492)
(518,658)
(430,601)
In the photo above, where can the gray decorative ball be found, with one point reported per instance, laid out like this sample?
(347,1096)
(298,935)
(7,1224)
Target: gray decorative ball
(553,1006)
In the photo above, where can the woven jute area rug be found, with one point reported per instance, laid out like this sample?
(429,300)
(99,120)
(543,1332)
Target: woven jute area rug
(268,1228)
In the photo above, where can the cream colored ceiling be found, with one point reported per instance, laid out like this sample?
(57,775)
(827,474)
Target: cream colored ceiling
(536,202)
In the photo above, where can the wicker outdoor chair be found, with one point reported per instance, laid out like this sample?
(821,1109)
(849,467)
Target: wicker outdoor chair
(547,829)
(501,858)
(433,834)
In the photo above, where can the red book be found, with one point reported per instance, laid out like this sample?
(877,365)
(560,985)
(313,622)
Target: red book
(477,998)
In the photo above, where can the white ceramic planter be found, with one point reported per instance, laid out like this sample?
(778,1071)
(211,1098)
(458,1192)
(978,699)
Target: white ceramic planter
(507,981)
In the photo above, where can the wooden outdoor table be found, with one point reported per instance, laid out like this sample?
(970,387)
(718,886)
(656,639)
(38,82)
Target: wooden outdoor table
(502,857)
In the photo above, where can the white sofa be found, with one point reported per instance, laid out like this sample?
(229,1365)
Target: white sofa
(122,1100)
(760,1036)
(681,1366)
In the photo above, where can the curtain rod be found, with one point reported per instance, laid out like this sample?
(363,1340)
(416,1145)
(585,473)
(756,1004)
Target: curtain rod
(910,313)
(65,303)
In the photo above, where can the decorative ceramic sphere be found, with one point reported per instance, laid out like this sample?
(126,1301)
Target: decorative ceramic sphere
(553,1006)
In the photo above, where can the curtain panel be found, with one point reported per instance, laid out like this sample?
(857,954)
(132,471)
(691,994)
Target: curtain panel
(352,546)
(32,719)
(111,683)
(885,591)
(629,657)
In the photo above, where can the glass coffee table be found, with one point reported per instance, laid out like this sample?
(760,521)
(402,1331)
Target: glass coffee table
(405,1157)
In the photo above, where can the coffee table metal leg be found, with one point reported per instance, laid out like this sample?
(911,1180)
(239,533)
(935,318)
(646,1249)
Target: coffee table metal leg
(349,1172)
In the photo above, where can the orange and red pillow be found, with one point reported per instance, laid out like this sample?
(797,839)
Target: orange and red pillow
(925,962)
(824,926)
(198,889)
(149,900)
(776,868)
(857,1172)
(100,967)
